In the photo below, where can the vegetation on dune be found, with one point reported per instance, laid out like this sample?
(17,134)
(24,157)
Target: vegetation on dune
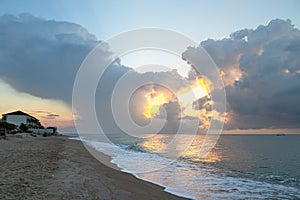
(7,126)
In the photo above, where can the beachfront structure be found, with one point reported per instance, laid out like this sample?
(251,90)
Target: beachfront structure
(19,117)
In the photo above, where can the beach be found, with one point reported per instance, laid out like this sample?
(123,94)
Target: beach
(59,168)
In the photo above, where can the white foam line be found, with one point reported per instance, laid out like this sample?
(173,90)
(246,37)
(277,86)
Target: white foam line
(245,188)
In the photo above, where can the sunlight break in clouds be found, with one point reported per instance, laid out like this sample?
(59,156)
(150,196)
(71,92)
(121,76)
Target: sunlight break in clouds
(200,88)
(155,99)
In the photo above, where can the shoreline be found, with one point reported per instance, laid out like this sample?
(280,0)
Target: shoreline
(57,167)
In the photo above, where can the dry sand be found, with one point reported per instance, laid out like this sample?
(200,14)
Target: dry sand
(59,168)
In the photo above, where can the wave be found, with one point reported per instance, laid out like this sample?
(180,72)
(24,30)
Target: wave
(188,180)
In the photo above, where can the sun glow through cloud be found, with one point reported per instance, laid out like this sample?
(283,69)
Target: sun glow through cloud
(154,100)
(200,88)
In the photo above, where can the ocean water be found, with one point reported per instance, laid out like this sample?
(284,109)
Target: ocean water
(238,167)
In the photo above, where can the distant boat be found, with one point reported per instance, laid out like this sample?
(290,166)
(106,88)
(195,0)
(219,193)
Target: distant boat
(280,134)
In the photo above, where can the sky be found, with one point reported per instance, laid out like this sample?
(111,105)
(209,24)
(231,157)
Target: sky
(199,20)
(256,53)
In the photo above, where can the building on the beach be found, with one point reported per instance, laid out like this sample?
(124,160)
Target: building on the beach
(19,117)
(33,124)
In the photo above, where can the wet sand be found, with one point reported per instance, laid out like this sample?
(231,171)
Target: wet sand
(60,168)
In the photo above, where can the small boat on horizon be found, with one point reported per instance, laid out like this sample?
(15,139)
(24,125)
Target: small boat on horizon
(280,134)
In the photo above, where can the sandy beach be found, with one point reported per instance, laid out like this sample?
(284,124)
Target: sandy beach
(60,168)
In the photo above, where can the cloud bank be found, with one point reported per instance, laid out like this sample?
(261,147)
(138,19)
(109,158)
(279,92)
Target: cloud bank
(261,71)
(260,68)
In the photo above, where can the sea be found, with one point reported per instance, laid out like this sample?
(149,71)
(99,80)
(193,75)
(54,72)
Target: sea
(245,166)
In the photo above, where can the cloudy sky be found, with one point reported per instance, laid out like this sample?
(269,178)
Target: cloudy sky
(43,43)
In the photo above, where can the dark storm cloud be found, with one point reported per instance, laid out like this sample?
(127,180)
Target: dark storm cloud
(262,75)
(41,57)
(173,114)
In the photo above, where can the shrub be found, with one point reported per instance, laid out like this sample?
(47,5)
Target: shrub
(23,127)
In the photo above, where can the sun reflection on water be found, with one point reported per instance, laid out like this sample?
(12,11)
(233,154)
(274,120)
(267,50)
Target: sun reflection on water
(159,144)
